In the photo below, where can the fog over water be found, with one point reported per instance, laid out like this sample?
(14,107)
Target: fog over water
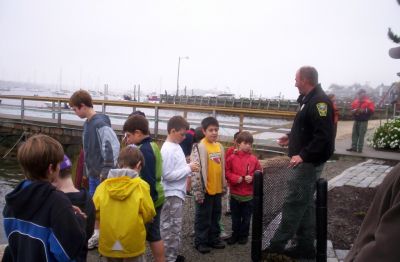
(233,46)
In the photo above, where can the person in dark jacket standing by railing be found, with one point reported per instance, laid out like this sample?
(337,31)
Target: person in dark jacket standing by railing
(310,145)
(362,108)
(100,145)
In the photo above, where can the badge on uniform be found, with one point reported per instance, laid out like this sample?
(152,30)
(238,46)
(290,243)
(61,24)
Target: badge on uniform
(322,109)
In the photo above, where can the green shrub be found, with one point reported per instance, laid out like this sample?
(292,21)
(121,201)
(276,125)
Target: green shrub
(387,136)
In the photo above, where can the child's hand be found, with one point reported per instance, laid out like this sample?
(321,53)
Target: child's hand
(240,180)
(248,179)
(78,211)
(194,166)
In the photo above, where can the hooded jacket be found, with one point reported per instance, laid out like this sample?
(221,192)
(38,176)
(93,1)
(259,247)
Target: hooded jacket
(41,225)
(100,145)
(152,170)
(84,201)
(311,135)
(123,207)
(241,164)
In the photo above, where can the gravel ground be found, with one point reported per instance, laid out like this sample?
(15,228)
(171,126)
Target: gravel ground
(236,252)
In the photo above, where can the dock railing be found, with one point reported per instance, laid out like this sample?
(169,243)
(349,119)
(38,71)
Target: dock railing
(240,118)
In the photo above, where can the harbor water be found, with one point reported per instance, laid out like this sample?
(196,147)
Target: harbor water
(10,176)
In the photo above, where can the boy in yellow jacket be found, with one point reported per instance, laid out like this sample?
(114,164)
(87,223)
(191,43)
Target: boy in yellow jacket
(123,206)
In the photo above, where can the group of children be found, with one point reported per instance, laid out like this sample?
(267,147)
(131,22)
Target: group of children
(140,200)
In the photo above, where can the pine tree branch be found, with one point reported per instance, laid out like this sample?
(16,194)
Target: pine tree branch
(395,38)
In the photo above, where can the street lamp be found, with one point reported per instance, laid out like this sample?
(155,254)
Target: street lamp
(177,80)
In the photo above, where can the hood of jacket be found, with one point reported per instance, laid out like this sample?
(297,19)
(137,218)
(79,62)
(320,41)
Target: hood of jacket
(119,188)
(122,172)
(28,193)
(99,120)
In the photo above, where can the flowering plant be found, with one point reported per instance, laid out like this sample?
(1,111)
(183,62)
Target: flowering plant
(387,136)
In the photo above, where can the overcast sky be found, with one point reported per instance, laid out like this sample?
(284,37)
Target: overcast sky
(233,46)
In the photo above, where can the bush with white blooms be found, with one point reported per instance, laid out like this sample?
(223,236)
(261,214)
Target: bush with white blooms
(387,136)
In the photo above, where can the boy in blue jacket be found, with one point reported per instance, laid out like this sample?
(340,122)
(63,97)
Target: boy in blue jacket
(100,146)
(39,221)
(136,129)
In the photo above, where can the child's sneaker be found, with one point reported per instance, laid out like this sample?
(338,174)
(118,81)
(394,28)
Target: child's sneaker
(93,242)
(223,235)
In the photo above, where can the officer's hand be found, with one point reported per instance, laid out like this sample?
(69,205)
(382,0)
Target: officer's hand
(283,141)
(240,180)
(295,161)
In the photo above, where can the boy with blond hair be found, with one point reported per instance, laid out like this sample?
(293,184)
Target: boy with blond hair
(122,237)
(208,186)
(39,221)
(175,172)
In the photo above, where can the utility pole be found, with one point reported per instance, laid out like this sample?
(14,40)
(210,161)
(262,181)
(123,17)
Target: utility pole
(177,79)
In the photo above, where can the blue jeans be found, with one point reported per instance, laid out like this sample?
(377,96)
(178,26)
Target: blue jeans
(206,224)
(241,215)
(93,183)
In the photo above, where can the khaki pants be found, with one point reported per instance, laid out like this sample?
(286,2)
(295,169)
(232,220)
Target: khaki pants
(171,226)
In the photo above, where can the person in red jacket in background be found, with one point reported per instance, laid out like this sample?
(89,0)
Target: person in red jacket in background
(332,97)
(240,168)
(362,109)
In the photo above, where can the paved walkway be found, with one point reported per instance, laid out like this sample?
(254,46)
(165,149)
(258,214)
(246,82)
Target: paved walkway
(366,174)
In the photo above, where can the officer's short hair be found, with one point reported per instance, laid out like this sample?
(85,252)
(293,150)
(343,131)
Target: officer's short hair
(309,73)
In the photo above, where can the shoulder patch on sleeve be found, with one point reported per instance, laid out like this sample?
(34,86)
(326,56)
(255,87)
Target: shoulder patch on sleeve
(322,109)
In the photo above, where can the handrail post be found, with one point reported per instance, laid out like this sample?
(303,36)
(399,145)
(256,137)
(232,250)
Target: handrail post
(156,122)
(256,235)
(22,109)
(59,113)
(241,122)
(214,113)
(53,114)
(103,108)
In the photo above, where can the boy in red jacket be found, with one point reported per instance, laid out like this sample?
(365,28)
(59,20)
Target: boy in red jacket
(240,168)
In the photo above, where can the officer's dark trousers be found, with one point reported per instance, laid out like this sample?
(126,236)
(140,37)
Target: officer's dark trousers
(206,224)
(241,216)
(298,213)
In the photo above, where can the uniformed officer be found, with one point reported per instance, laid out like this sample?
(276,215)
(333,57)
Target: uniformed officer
(310,144)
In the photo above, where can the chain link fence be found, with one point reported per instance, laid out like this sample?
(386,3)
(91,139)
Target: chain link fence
(270,192)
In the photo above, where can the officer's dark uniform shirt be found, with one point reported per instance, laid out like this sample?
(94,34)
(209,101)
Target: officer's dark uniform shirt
(311,135)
